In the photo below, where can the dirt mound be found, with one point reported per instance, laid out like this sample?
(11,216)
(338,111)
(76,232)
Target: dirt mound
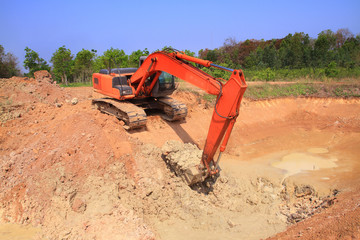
(61,167)
(43,75)
(20,95)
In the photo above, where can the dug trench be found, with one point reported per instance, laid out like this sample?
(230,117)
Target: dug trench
(70,172)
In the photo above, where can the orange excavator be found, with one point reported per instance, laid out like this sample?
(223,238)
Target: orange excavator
(131,90)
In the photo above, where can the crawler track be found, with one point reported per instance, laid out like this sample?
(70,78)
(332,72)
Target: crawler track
(133,116)
(173,109)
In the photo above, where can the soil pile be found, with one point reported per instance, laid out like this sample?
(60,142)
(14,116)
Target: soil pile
(19,95)
(61,166)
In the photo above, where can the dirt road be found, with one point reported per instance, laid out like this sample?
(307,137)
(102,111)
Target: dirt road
(70,172)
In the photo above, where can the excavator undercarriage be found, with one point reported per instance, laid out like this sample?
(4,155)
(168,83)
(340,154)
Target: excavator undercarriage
(132,113)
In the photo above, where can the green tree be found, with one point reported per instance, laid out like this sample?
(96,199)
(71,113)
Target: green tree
(189,52)
(324,48)
(256,59)
(270,56)
(295,51)
(112,58)
(135,56)
(348,49)
(63,63)
(212,55)
(33,62)
(331,70)
(8,64)
(83,64)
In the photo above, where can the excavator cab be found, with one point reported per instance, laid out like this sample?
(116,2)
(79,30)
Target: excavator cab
(165,85)
(166,81)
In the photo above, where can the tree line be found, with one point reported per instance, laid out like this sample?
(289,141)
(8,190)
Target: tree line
(296,54)
(69,68)
(294,51)
(8,64)
(330,54)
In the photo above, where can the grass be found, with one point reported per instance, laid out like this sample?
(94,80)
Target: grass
(346,92)
(77,84)
(209,97)
(300,89)
(266,91)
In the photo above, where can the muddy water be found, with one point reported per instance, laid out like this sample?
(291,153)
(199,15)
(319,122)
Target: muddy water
(18,232)
(311,160)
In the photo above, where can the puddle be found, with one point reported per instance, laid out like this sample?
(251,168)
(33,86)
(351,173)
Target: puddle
(295,163)
(10,231)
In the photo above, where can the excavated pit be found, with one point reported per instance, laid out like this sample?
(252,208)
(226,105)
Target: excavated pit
(70,172)
(243,202)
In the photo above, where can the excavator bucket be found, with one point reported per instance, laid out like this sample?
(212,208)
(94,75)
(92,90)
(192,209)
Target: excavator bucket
(183,159)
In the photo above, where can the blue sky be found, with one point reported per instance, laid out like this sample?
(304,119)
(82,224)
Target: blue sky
(45,25)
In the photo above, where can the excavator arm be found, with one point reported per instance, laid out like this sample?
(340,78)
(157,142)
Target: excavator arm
(172,64)
(229,96)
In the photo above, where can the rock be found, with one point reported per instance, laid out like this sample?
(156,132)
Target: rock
(301,191)
(231,223)
(58,105)
(295,217)
(74,101)
(78,205)
(268,189)
(12,154)
(17,114)
(64,235)
(223,179)
(252,199)
(62,179)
